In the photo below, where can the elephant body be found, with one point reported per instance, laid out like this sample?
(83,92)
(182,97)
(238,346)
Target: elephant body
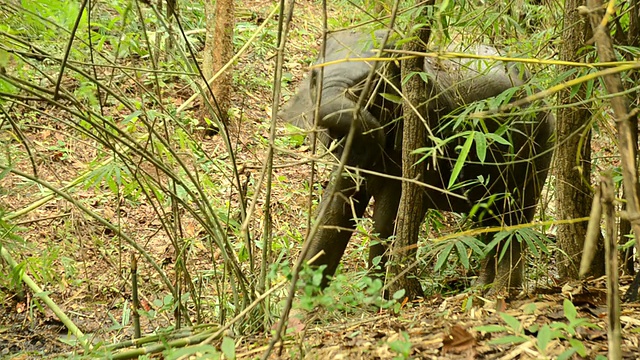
(508,181)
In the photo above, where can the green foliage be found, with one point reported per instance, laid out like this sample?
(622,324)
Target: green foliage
(545,333)
(465,252)
(125,320)
(294,138)
(228,348)
(465,246)
(471,136)
(344,295)
(535,241)
(15,283)
(402,346)
(44,19)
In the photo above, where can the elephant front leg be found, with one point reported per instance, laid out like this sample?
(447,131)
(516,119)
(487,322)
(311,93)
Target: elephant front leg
(387,198)
(337,225)
(503,268)
(502,272)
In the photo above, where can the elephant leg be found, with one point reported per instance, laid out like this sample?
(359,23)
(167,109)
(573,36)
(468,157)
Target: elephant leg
(387,198)
(502,268)
(502,272)
(348,202)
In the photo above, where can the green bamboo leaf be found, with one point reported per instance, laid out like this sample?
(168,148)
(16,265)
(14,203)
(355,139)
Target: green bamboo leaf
(497,238)
(540,240)
(505,246)
(522,237)
(462,254)
(461,159)
(567,354)
(442,257)
(578,346)
(497,138)
(392,97)
(474,244)
(481,146)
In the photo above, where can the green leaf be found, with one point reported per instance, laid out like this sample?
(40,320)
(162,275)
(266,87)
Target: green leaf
(461,159)
(442,257)
(540,240)
(509,339)
(228,348)
(529,309)
(474,244)
(131,117)
(424,76)
(532,247)
(567,354)
(462,254)
(505,246)
(497,239)
(544,338)
(589,91)
(481,146)
(491,328)
(578,346)
(512,322)
(126,313)
(497,138)
(398,294)
(392,97)
(570,311)
(574,91)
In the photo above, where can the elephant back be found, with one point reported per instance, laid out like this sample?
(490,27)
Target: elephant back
(461,81)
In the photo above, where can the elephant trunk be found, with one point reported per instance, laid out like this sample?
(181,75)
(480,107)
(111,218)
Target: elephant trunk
(337,115)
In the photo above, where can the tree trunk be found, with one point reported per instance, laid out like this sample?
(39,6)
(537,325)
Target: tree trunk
(412,198)
(218,51)
(573,162)
(626,130)
(632,39)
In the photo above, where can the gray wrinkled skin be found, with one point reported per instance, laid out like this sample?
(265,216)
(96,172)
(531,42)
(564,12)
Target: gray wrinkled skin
(513,174)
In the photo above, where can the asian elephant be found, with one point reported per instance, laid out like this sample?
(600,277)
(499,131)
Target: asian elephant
(506,181)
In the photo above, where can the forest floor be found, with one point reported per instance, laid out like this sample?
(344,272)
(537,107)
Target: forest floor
(88,266)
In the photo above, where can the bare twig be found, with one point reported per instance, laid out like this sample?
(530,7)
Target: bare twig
(611,257)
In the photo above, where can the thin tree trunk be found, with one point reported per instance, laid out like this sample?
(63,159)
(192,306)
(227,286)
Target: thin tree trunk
(573,163)
(217,52)
(626,130)
(412,198)
(632,39)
